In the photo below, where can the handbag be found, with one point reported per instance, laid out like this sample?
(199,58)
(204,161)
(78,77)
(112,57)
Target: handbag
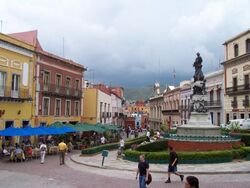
(149,179)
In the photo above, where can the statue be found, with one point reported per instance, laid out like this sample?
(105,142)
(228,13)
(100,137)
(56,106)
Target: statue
(198,75)
(199,97)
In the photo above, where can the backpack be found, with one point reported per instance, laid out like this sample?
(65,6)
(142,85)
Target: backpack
(149,179)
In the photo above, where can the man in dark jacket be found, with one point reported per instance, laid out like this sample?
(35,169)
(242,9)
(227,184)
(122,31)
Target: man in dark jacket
(143,171)
(172,166)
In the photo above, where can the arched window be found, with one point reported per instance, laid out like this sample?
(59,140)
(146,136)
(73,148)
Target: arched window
(248,46)
(236,50)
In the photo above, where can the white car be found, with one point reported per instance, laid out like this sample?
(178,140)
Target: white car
(243,124)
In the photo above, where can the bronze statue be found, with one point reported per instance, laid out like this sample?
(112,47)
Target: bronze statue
(198,75)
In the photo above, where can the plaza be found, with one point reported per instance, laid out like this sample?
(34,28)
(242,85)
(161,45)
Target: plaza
(51,174)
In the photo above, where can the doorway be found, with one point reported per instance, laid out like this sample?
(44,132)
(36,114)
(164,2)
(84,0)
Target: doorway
(8,139)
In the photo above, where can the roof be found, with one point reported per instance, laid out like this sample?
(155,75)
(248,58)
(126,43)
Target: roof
(31,37)
(237,36)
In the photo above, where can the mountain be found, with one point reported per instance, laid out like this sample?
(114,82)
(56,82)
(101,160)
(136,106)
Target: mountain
(141,93)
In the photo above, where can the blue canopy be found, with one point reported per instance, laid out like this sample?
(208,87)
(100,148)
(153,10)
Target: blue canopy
(12,131)
(29,131)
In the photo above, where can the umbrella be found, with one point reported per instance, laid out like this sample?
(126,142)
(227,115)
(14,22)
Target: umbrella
(12,131)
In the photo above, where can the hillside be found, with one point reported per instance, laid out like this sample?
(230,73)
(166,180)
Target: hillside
(141,93)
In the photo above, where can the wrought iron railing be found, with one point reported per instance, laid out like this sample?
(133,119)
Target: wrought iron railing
(10,93)
(54,89)
(238,89)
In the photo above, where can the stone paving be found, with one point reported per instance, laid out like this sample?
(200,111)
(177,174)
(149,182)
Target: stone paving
(111,162)
(51,174)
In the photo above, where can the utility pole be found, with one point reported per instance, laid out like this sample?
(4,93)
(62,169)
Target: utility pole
(1,22)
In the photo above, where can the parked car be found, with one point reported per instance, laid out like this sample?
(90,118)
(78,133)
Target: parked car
(243,124)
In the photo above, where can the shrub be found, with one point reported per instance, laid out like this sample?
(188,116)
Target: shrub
(112,146)
(159,145)
(98,149)
(245,137)
(191,157)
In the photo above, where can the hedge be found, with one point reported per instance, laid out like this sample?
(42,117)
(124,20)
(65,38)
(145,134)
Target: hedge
(112,146)
(159,145)
(191,157)
(245,137)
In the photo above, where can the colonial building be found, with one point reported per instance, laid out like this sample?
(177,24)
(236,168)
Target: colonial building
(215,91)
(185,97)
(171,107)
(97,105)
(117,98)
(156,106)
(58,93)
(16,82)
(236,76)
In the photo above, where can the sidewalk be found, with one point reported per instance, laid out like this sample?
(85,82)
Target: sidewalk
(111,162)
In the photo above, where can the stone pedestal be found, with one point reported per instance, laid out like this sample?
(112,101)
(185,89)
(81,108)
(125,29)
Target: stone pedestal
(198,125)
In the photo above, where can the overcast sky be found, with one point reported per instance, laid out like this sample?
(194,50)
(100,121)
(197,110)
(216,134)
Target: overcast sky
(131,42)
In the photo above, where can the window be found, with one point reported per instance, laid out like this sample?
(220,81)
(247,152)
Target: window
(235,83)
(76,108)
(248,46)
(46,106)
(67,82)
(246,81)
(67,113)
(15,85)
(2,82)
(46,78)
(58,107)
(218,93)
(77,84)
(58,81)
(236,50)
(211,95)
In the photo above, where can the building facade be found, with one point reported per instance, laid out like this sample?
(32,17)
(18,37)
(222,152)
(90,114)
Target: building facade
(58,85)
(185,98)
(236,76)
(97,105)
(215,91)
(16,82)
(171,107)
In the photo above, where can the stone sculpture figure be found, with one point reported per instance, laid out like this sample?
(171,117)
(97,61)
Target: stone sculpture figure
(198,75)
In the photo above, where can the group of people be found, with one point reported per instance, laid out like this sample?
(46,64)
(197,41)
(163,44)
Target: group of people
(146,178)
(62,150)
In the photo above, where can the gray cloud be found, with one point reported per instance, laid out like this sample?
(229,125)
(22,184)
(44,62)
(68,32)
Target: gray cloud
(131,42)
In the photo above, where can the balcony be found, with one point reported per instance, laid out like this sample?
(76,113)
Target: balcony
(155,120)
(171,112)
(214,104)
(245,103)
(8,94)
(234,104)
(240,89)
(60,91)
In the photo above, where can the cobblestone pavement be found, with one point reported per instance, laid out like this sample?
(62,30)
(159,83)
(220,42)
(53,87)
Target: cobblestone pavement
(111,162)
(51,174)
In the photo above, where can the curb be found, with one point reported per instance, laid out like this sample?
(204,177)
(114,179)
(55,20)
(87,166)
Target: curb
(161,172)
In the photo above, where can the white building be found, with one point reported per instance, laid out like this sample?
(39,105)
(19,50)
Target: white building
(215,91)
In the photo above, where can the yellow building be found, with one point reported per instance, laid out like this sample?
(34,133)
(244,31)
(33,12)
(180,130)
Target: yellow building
(16,82)
(236,76)
(97,106)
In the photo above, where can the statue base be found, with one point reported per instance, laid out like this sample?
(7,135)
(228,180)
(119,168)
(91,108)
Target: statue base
(198,125)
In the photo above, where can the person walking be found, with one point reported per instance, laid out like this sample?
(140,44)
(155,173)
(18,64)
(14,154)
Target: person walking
(43,149)
(122,144)
(62,147)
(172,167)
(191,182)
(143,171)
